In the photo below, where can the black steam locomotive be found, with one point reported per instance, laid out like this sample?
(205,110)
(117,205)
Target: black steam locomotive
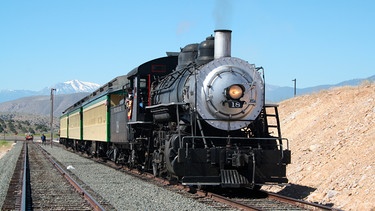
(198,116)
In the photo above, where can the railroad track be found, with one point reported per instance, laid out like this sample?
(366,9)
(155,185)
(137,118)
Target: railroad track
(261,200)
(224,200)
(39,183)
(242,199)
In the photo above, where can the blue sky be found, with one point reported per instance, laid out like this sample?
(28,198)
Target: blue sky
(315,41)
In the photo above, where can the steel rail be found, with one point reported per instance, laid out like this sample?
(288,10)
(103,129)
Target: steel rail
(297,202)
(236,204)
(24,202)
(93,203)
(283,199)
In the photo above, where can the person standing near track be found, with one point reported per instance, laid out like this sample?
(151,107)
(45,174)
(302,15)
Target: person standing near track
(43,139)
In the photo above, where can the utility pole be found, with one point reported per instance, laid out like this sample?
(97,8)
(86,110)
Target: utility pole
(52,89)
(295,86)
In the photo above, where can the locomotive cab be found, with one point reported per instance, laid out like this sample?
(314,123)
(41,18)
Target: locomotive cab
(141,80)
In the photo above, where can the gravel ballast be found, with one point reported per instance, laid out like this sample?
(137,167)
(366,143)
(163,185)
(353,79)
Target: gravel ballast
(7,166)
(123,191)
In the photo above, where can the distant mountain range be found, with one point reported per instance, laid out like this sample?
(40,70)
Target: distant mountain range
(68,87)
(41,104)
(67,93)
(275,94)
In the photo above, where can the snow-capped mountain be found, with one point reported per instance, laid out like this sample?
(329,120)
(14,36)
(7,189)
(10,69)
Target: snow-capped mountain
(73,86)
(68,87)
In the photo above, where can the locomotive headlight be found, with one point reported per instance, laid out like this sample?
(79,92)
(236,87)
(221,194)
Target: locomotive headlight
(234,92)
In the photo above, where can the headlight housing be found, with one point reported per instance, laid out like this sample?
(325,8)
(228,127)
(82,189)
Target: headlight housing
(234,92)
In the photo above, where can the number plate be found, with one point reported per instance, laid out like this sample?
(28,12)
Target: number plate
(235,104)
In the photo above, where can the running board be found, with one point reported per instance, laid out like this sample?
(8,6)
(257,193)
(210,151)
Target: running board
(201,180)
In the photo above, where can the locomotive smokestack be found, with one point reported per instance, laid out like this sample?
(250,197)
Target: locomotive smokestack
(223,42)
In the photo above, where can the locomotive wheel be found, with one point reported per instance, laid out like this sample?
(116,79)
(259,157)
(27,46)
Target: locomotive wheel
(171,148)
(155,163)
(155,169)
(132,159)
(158,169)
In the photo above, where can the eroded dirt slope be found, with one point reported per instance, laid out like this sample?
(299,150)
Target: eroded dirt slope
(332,138)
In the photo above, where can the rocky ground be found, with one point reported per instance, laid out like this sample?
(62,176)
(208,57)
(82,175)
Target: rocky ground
(4,149)
(332,138)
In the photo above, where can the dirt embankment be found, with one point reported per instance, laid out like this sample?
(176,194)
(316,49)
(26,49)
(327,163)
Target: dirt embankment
(4,148)
(332,138)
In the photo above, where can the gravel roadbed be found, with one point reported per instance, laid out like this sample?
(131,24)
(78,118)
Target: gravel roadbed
(123,191)
(7,166)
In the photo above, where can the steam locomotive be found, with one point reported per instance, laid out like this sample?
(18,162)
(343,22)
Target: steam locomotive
(198,116)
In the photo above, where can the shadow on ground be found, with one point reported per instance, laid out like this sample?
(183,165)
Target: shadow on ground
(296,191)
(299,192)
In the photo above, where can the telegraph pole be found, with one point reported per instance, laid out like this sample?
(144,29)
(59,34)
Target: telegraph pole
(295,86)
(52,89)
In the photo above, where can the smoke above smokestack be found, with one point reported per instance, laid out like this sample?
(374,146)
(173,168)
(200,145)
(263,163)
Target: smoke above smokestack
(223,14)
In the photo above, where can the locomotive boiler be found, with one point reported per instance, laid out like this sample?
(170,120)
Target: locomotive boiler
(198,116)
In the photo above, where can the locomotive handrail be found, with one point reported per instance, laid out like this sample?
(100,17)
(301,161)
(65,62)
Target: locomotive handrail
(194,138)
(173,79)
(165,104)
(240,138)
(139,122)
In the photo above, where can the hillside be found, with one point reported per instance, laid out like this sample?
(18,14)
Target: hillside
(331,135)
(19,124)
(278,94)
(32,114)
(41,105)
